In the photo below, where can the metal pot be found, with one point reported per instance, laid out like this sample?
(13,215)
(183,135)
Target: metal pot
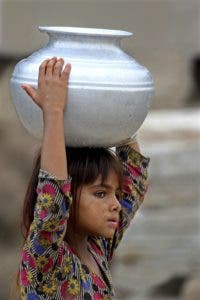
(109,92)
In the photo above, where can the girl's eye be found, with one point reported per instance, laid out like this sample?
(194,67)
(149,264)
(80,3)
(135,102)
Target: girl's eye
(118,195)
(100,194)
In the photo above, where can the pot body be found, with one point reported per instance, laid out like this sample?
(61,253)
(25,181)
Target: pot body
(109,93)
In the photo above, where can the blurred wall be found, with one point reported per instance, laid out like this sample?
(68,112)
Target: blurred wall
(166,35)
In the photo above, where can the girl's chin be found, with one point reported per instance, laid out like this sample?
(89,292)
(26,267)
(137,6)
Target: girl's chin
(108,235)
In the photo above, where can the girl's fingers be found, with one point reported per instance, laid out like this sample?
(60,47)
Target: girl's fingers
(50,66)
(42,70)
(31,91)
(58,68)
(65,74)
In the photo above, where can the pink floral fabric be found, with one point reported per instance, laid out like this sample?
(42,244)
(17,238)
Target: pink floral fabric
(49,268)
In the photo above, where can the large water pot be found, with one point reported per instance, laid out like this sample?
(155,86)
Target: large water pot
(109,93)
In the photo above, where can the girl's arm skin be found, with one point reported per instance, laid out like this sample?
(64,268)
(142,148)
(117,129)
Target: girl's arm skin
(51,97)
(135,146)
(41,249)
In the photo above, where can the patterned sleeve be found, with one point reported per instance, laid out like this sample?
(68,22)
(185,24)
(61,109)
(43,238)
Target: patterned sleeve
(41,249)
(135,167)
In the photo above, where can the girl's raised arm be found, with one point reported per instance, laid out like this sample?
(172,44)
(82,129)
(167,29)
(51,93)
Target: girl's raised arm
(51,97)
(135,169)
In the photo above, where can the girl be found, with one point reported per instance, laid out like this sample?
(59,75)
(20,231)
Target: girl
(78,204)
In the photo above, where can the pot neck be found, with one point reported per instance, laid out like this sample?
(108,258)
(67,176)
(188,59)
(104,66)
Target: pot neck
(84,37)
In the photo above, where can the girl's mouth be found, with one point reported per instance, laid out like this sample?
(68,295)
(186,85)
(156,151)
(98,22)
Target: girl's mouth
(112,223)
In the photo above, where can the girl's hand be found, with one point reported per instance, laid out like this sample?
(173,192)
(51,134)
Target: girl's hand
(51,94)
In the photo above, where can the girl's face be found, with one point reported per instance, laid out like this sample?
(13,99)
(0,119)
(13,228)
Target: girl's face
(99,205)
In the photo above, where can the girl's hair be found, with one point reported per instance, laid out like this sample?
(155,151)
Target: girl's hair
(84,166)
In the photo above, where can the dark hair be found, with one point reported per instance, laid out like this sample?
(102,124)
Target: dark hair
(85,164)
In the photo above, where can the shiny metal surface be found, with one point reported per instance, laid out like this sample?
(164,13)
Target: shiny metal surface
(109,94)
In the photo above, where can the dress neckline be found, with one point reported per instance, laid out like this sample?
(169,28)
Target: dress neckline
(89,247)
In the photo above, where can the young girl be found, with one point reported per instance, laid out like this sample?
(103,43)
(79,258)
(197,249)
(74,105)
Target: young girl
(78,204)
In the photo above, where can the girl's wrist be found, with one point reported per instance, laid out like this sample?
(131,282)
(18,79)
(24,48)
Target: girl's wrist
(52,112)
(49,115)
(128,141)
(53,121)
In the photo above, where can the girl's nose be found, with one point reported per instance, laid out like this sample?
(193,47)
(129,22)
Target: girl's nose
(116,205)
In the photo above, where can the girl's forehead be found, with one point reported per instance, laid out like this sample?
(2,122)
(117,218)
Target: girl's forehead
(112,181)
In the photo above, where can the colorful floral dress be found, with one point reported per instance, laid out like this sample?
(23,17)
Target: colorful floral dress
(49,268)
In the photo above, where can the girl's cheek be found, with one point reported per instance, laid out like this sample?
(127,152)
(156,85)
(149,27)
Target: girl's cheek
(105,208)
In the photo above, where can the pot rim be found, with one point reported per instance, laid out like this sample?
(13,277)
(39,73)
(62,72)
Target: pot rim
(85,31)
